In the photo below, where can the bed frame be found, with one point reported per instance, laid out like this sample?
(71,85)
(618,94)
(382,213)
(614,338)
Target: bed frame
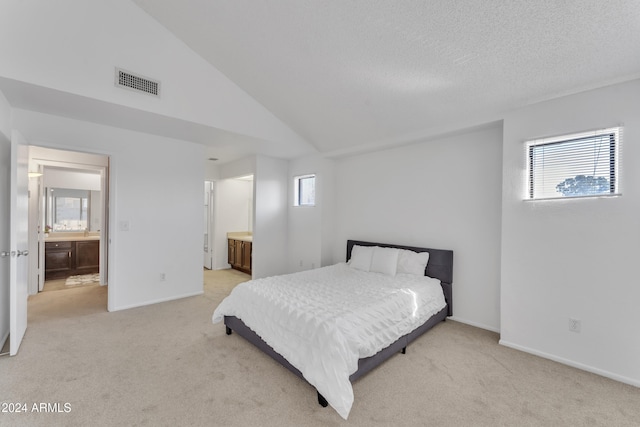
(440,266)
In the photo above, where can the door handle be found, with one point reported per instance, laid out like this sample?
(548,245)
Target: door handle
(22,253)
(5,254)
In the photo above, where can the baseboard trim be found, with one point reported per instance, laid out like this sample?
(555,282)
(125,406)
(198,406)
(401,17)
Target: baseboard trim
(156,301)
(574,364)
(476,324)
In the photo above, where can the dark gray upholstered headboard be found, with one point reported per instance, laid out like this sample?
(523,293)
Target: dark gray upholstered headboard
(440,265)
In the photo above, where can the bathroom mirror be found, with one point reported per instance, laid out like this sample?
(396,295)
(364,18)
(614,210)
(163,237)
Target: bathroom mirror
(68,210)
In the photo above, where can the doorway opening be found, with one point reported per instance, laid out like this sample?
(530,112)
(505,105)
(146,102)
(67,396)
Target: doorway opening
(68,220)
(209,212)
(234,219)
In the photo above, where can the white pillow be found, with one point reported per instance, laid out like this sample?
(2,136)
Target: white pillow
(384,260)
(361,257)
(411,262)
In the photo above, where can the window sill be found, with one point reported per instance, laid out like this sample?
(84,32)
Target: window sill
(597,196)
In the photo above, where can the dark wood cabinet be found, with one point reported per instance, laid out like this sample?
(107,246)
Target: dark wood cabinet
(87,256)
(246,256)
(58,261)
(68,258)
(239,255)
(231,256)
(237,262)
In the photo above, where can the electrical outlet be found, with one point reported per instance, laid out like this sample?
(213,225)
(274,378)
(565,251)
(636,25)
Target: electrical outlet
(163,277)
(575,325)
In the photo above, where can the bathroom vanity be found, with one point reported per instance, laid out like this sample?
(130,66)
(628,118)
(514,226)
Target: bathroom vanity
(240,251)
(68,255)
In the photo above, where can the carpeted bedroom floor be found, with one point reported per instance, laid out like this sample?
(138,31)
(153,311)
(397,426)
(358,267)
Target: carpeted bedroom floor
(167,365)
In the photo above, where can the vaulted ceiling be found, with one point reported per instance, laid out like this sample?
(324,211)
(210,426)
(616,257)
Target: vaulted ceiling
(288,78)
(357,75)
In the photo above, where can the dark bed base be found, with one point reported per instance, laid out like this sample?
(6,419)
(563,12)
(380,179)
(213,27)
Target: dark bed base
(365,365)
(440,266)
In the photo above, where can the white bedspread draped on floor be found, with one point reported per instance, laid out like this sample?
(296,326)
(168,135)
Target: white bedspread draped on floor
(322,321)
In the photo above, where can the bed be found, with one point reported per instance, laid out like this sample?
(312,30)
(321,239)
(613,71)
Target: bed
(332,346)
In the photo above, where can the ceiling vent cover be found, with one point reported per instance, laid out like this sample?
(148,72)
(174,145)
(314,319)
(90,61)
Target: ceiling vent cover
(128,80)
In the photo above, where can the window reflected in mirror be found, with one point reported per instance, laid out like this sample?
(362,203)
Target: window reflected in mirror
(69,209)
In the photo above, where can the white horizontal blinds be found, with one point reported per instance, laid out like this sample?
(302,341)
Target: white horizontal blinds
(305,190)
(307,193)
(573,165)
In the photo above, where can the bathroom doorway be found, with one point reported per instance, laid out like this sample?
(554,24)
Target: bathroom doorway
(68,219)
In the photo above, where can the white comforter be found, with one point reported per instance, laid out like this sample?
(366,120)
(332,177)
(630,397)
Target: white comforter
(322,321)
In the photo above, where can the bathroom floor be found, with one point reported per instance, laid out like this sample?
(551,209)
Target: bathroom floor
(71,282)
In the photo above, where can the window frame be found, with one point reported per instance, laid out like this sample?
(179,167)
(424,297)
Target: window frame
(55,196)
(614,145)
(297,190)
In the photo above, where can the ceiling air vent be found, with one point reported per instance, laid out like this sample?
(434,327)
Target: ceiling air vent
(128,80)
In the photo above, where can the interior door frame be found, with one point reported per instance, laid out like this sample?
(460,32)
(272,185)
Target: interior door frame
(36,245)
(209,247)
(48,156)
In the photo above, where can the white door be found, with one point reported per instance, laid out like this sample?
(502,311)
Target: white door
(18,241)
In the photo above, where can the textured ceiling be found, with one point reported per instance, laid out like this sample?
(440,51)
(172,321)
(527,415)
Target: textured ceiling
(351,75)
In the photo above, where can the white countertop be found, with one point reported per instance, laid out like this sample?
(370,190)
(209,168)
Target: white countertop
(245,236)
(73,237)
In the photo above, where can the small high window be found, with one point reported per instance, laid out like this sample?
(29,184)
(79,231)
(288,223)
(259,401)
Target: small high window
(305,190)
(576,165)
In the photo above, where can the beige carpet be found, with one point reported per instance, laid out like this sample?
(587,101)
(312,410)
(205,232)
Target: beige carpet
(167,365)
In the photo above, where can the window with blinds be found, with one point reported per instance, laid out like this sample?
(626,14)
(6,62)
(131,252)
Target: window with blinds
(305,190)
(577,165)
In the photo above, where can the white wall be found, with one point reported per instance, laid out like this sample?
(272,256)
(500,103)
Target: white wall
(74,46)
(443,194)
(5,117)
(157,188)
(5,168)
(211,170)
(310,239)
(270,234)
(71,179)
(241,167)
(95,202)
(577,259)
